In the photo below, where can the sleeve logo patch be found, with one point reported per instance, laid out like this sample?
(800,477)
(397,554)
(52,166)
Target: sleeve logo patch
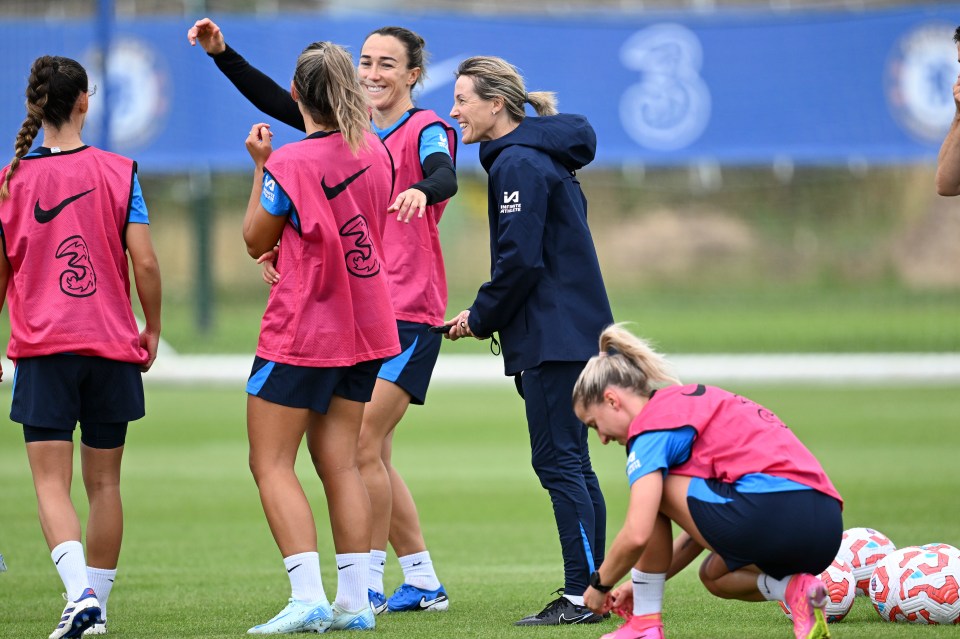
(511,203)
(633,464)
(269,189)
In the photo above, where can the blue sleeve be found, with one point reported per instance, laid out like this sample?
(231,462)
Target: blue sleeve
(659,450)
(138,207)
(272,198)
(522,194)
(433,140)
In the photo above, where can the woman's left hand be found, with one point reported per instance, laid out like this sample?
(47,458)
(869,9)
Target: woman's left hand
(598,602)
(259,143)
(407,203)
(459,326)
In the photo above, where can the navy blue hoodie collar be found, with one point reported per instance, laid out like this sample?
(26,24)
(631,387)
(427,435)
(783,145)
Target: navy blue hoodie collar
(567,137)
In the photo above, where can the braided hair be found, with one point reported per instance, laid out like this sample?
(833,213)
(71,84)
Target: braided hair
(53,88)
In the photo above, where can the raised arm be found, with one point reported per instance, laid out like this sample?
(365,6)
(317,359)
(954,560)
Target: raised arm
(261,90)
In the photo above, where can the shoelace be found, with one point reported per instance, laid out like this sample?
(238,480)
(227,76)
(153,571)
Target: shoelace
(553,605)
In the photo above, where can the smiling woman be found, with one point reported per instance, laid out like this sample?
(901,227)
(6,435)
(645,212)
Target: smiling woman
(423,149)
(545,297)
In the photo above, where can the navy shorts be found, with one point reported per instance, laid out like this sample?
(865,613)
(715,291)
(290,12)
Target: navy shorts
(309,387)
(783,533)
(57,391)
(412,369)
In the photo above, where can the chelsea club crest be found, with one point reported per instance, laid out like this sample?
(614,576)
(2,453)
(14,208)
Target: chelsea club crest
(139,95)
(920,74)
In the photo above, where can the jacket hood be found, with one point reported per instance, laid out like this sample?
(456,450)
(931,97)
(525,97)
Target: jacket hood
(567,137)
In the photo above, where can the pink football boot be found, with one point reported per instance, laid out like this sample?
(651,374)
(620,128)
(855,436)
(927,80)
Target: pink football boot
(807,596)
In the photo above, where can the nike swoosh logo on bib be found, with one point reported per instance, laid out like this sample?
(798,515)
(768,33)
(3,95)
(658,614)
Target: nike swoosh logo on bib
(335,190)
(43,215)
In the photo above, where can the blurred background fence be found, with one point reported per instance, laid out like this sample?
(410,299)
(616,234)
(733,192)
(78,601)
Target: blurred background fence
(764,178)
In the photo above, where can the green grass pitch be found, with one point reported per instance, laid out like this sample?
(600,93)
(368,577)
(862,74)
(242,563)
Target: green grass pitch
(198,559)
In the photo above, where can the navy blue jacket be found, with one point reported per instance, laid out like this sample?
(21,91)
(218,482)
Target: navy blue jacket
(545,296)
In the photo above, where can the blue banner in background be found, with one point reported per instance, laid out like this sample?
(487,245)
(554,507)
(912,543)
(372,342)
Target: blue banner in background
(811,87)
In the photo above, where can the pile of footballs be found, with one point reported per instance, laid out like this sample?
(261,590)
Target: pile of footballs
(914,584)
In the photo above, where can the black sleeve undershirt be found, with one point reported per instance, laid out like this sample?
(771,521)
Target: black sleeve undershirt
(265,94)
(440,178)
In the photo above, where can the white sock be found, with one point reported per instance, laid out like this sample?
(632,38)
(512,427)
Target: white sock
(69,561)
(101,580)
(418,571)
(575,599)
(353,570)
(378,560)
(772,589)
(647,591)
(303,569)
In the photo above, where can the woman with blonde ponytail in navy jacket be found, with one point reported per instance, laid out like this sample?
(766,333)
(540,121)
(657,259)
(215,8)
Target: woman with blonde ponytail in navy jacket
(545,296)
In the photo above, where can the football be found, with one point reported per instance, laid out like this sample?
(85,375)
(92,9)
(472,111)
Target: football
(841,587)
(953,551)
(917,585)
(862,548)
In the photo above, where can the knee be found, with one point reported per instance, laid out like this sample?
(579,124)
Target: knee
(256,469)
(263,469)
(709,576)
(330,469)
(368,455)
(101,484)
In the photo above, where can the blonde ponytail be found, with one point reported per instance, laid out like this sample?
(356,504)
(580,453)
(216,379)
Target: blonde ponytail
(327,85)
(496,78)
(625,361)
(543,102)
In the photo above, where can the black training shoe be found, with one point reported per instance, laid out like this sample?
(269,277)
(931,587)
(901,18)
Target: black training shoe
(558,612)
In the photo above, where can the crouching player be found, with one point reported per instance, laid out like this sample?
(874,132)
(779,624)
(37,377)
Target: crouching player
(727,471)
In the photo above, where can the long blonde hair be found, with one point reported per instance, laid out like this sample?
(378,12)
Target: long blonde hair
(53,88)
(496,78)
(626,361)
(327,85)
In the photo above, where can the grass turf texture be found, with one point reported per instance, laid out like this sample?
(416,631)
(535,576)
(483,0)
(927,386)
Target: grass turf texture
(198,559)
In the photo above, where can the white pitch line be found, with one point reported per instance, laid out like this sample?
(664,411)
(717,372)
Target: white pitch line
(825,368)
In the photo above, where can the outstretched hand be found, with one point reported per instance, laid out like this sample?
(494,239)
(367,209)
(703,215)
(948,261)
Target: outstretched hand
(407,203)
(208,34)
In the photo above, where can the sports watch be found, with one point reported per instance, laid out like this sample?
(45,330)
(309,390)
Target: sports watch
(595,582)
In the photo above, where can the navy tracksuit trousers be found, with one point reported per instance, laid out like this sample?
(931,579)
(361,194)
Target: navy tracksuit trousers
(561,459)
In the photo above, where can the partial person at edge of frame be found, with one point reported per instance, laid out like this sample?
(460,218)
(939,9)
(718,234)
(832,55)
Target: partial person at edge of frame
(545,297)
(327,326)
(392,63)
(948,160)
(727,471)
(70,213)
